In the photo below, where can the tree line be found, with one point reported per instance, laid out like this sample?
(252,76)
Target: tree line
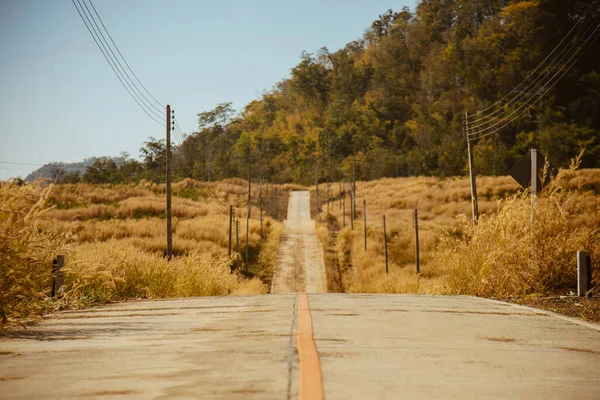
(393,101)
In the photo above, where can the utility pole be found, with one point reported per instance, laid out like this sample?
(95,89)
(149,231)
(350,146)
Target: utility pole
(169,210)
(474,205)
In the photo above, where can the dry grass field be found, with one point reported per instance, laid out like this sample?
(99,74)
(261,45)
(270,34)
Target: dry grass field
(503,257)
(114,239)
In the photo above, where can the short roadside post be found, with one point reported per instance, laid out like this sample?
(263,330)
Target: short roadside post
(58,275)
(584,273)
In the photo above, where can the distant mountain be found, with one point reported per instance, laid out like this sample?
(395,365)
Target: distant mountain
(51,170)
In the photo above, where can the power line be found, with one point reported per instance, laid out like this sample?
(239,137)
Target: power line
(540,91)
(125,61)
(101,47)
(532,72)
(118,64)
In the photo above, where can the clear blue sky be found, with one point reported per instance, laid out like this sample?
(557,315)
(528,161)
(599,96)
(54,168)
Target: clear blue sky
(60,100)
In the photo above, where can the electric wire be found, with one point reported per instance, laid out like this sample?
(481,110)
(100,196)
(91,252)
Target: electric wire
(89,27)
(535,70)
(540,93)
(162,107)
(118,64)
(529,92)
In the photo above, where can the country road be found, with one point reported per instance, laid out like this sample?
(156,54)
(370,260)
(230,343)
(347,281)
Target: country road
(303,346)
(300,266)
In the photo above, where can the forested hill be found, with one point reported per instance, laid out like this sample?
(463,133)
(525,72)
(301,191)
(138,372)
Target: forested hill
(526,73)
(394,100)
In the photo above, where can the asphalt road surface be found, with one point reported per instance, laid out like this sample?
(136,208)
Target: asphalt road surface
(256,347)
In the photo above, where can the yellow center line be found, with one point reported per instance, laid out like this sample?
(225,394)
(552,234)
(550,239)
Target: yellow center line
(311,379)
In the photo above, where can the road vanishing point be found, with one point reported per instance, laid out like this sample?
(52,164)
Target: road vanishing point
(303,343)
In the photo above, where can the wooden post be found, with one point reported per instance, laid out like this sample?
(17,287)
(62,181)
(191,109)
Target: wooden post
(340,194)
(248,213)
(416,224)
(385,246)
(353,190)
(365,222)
(317,187)
(352,205)
(328,198)
(260,206)
(230,226)
(344,206)
(267,197)
(168,171)
(237,243)
(474,205)
(584,273)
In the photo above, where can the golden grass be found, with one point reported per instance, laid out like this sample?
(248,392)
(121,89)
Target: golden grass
(114,238)
(568,220)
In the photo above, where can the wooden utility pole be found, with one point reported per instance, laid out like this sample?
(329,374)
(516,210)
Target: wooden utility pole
(474,205)
(230,227)
(169,211)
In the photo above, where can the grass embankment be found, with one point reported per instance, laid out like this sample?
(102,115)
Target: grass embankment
(114,241)
(494,260)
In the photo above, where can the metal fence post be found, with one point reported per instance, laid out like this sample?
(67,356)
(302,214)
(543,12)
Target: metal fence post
(584,273)
(58,275)
(385,249)
(416,222)
(365,222)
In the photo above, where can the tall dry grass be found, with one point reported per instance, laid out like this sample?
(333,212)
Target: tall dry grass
(443,205)
(114,240)
(508,255)
(26,251)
